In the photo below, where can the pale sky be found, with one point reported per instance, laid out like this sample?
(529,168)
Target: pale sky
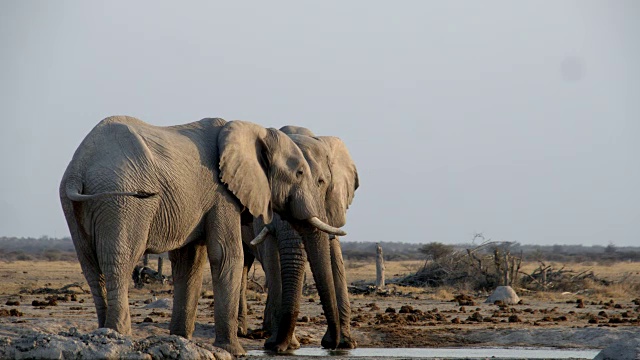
(518,119)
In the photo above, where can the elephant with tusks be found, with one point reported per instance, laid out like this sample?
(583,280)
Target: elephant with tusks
(133,188)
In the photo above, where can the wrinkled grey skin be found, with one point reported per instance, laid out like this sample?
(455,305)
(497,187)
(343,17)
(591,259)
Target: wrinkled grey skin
(285,249)
(134,188)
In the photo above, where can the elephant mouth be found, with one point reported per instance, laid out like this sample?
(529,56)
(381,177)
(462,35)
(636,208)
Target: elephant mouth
(313,221)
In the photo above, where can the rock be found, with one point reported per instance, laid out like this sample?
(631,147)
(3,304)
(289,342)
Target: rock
(105,344)
(504,294)
(621,350)
(160,304)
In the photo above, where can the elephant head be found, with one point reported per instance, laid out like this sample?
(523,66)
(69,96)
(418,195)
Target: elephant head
(267,172)
(336,178)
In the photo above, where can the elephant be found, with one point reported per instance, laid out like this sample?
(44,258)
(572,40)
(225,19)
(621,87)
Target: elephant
(133,188)
(282,250)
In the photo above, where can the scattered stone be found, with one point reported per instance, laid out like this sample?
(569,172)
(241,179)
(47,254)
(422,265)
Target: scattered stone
(44,303)
(12,303)
(514,318)
(464,300)
(148,319)
(304,319)
(476,316)
(390,310)
(160,304)
(257,334)
(411,318)
(406,309)
(11,312)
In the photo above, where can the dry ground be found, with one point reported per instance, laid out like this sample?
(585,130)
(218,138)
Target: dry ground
(543,319)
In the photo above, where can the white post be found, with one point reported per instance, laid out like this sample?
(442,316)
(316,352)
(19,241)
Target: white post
(379,267)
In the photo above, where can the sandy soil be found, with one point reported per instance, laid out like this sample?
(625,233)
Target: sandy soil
(409,317)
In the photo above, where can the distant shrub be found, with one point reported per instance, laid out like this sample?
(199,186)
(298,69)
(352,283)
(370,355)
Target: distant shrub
(24,257)
(436,250)
(52,254)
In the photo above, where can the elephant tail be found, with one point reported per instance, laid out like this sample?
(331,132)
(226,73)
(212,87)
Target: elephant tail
(73,191)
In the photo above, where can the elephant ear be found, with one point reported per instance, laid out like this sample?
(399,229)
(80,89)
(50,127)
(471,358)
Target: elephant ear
(344,181)
(244,165)
(296,130)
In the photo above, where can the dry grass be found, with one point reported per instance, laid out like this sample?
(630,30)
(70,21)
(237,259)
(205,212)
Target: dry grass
(366,270)
(19,275)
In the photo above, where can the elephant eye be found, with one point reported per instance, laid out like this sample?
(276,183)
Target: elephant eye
(321,181)
(299,173)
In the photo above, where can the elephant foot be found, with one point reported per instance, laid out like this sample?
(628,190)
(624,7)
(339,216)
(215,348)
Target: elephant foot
(281,347)
(294,343)
(234,349)
(175,330)
(346,342)
(328,342)
(120,329)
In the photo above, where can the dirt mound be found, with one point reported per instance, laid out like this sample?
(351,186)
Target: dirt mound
(504,294)
(105,343)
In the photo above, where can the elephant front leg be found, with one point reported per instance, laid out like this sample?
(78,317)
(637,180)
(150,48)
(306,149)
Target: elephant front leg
(342,296)
(187,265)
(224,247)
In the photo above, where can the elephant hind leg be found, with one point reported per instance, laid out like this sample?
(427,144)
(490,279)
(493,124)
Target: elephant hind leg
(120,242)
(87,258)
(243,328)
(187,265)
(96,282)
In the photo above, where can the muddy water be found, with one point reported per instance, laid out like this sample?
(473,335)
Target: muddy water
(441,353)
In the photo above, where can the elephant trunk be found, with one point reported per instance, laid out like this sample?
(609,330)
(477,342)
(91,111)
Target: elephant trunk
(292,263)
(319,255)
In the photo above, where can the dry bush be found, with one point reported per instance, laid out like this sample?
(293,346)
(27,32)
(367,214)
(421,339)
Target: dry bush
(482,267)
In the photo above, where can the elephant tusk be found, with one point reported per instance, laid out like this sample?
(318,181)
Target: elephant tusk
(318,224)
(261,237)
